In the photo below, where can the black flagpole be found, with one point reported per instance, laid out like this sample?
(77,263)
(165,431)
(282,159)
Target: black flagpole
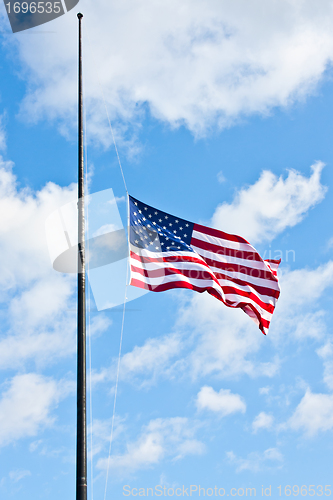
(81,437)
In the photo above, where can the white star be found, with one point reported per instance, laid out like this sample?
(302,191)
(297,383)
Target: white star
(135,203)
(177,221)
(140,212)
(154,223)
(148,225)
(164,227)
(186,225)
(170,224)
(136,241)
(162,243)
(172,243)
(185,235)
(143,218)
(181,228)
(155,213)
(159,220)
(166,238)
(175,231)
(134,213)
(150,216)
(146,246)
(178,248)
(166,217)
(146,208)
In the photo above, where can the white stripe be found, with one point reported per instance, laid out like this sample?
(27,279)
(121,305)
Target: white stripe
(233,298)
(237,299)
(247,278)
(273,285)
(221,242)
(193,266)
(227,259)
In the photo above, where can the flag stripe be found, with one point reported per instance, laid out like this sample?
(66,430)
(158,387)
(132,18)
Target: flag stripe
(195,271)
(219,234)
(174,253)
(224,251)
(261,286)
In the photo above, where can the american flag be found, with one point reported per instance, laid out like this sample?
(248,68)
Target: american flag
(168,252)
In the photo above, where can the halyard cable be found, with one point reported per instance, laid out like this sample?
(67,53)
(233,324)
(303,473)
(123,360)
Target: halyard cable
(116,387)
(108,117)
(127,275)
(89,303)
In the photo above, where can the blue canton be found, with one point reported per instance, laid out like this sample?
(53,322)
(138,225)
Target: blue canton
(158,231)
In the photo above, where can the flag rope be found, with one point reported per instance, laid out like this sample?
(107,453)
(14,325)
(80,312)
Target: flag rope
(89,304)
(127,276)
(107,114)
(116,386)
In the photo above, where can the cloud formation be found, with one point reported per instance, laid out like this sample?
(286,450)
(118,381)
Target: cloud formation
(38,323)
(313,414)
(257,461)
(171,438)
(25,406)
(201,65)
(222,402)
(263,210)
(262,421)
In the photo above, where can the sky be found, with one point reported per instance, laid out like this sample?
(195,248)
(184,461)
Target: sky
(222,113)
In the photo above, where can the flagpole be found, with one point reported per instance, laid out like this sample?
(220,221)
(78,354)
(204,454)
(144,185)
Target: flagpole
(81,430)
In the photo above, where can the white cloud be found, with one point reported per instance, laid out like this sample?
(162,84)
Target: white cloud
(100,431)
(225,340)
(186,60)
(262,421)
(25,406)
(169,438)
(256,461)
(264,390)
(298,315)
(17,475)
(145,363)
(222,402)
(153,357)
(40,318)
(263,210)
(326,353)
(313,414)
(2,133)
(220,177)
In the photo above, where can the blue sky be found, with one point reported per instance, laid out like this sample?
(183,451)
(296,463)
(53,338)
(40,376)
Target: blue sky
(222,115)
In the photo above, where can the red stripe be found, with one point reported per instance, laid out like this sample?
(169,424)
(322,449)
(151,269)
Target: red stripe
(262,290)
(249,271)
(230,290)
(168,271)
(263,323)
(204,275)
(218,234)
(274,261)
(230,252)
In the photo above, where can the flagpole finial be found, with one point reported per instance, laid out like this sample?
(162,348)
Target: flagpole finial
(80,16)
